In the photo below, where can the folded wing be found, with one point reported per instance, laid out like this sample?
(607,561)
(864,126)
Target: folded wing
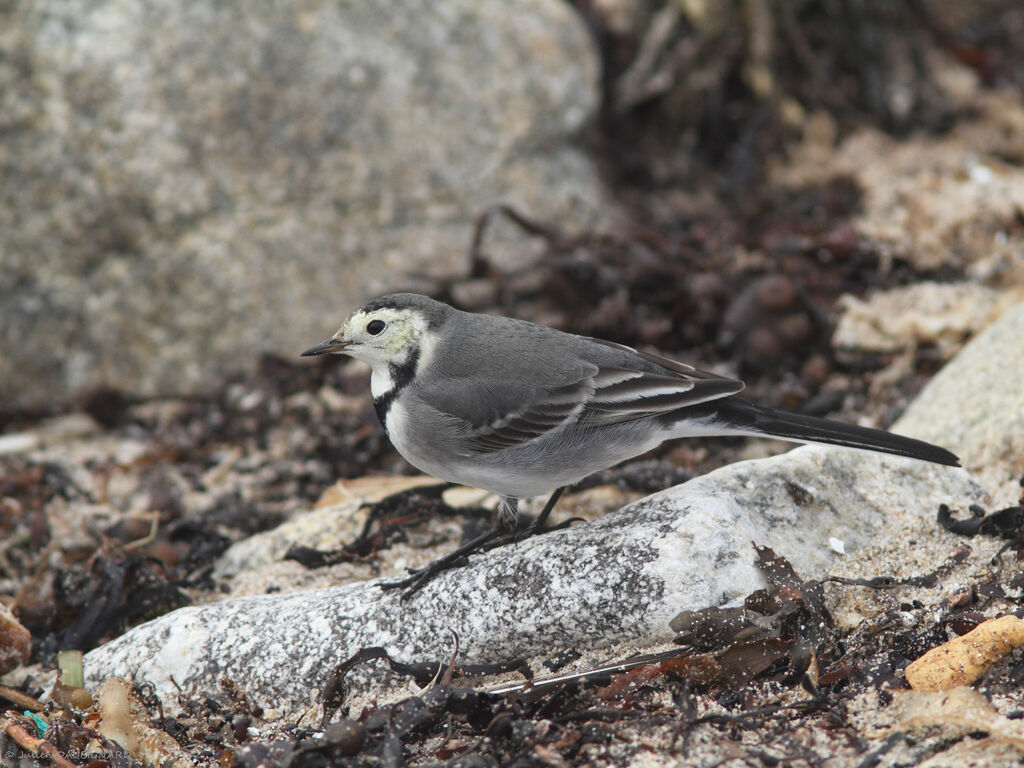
(603,393)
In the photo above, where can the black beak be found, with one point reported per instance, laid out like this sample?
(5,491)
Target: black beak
(324,347)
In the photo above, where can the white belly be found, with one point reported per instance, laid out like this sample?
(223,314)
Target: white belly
(445,463)
(529,470)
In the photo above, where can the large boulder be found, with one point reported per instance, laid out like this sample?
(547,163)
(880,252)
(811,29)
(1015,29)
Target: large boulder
(185,185)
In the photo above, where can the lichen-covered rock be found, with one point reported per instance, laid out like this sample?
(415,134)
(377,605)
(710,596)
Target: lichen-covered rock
(621,577)
(186,185)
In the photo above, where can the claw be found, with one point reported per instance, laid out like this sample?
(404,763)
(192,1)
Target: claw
(497,536)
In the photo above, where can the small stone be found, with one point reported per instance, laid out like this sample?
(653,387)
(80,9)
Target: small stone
(795,330)
(708,287)
(346,736)
(165,552)
(81,699)
(776,292)
(764,344)
(240,727)
(815,370)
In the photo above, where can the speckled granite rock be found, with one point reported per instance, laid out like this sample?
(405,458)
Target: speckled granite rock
(976,404)
(215,179)
(621,577)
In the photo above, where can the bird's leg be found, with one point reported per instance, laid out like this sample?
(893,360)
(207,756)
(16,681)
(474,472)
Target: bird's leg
(507,516)
(537,526)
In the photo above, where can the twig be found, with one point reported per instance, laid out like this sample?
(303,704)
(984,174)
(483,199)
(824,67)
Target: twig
(478,261)
(20,699)
(26,740)
(149,538)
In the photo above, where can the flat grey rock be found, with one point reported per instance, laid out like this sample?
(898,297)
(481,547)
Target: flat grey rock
(619,578)
(214,180)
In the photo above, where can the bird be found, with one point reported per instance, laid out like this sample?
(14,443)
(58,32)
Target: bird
(521,409)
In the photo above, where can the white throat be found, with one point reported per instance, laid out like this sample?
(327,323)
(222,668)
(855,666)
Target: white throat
(381,380)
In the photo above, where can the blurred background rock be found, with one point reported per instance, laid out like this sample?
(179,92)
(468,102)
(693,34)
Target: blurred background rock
(187,185)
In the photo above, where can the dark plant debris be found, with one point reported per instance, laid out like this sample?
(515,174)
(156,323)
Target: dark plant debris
(925,580)
(701,89)
(782,638)
(423,672)
(386,524)
(1005,523)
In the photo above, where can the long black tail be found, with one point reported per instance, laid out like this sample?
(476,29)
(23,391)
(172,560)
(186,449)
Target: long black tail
(737,416)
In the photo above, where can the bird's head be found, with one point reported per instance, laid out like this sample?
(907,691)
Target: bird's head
(385,331)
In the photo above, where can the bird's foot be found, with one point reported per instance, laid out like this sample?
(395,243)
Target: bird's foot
(419,577)
(485,542)
(534,529)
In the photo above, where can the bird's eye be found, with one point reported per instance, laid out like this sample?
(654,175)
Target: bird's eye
(374,327)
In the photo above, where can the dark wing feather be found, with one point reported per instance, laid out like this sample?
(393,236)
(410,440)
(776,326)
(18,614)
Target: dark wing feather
(557,406)
(600,385)
(648,393)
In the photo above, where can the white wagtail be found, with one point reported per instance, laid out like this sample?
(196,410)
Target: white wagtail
(519,409)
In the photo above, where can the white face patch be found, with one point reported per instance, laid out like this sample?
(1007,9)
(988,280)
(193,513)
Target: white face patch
(403,331)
